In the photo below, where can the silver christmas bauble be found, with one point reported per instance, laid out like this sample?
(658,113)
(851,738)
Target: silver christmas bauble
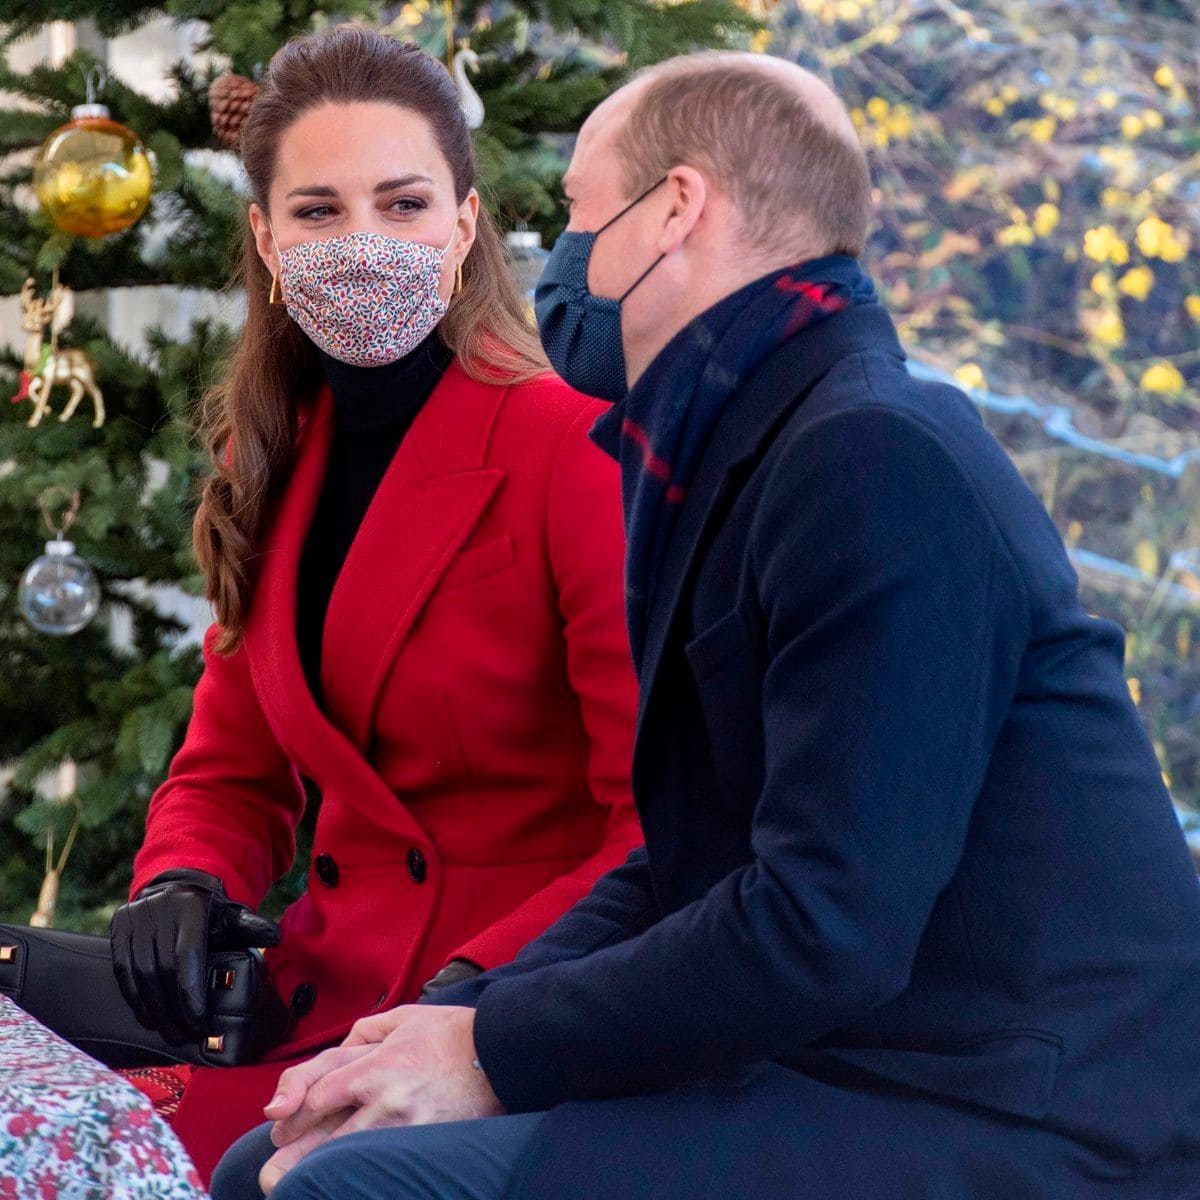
(59,592)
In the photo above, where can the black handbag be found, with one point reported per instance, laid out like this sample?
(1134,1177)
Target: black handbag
(65,980)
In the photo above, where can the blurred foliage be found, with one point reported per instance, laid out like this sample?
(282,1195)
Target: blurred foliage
(1038,175)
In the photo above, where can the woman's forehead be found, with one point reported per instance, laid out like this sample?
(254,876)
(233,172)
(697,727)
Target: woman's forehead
(360,144)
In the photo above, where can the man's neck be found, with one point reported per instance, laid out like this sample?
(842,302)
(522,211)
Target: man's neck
(640,353)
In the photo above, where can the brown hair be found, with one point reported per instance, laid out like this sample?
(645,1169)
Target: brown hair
(249,423)
(745,123)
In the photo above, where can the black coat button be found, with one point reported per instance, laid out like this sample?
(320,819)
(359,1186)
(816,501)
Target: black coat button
(416,865)
(327,870)
(303,999)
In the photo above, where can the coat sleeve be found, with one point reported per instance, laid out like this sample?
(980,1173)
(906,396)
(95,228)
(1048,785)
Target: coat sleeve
(585,546)
(232,800)
(620,906)
(893,622)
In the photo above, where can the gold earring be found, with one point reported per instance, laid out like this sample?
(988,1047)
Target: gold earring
(274,297)
(458,283)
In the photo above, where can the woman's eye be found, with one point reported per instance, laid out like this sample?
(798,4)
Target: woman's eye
(317,210)
(407,204)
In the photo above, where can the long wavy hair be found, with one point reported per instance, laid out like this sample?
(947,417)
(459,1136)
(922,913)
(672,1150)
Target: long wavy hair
(249,419)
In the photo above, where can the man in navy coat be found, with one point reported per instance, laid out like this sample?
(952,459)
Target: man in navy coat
(914,918)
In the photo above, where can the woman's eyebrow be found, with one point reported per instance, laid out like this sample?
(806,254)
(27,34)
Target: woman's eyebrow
(388,185)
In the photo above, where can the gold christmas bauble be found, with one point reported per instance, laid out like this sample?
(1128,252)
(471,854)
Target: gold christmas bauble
(93,175)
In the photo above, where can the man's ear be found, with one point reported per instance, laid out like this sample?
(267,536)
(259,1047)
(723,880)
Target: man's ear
(687,195)
(263,240)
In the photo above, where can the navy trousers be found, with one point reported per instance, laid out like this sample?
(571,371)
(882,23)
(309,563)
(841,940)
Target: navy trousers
(460,1160)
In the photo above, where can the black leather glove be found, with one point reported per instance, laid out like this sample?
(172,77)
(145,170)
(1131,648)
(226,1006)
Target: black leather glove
(160,943)
(455,971)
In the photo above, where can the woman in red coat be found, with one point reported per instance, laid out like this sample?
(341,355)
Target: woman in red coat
(414,553)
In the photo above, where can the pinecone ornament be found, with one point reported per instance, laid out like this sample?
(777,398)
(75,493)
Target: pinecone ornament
(229,99)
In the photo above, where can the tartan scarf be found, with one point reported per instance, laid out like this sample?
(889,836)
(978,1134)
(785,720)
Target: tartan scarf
(659,431)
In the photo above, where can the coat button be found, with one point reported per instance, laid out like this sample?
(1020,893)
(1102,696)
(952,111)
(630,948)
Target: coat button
(416,865)
(303,999)
(327,870)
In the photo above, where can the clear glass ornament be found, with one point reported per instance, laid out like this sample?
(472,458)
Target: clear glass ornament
(59,592)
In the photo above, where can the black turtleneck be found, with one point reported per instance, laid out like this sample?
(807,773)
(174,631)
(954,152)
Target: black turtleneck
(373,408)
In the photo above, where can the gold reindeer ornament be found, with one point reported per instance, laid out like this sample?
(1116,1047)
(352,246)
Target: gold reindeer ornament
(46,366)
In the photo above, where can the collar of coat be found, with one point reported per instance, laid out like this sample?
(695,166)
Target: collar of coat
(776,387)
(393,567)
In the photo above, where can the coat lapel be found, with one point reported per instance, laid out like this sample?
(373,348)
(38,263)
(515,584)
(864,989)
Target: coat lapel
(270,635)
(753,416)
(429,502)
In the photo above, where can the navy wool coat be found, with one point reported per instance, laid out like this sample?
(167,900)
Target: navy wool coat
(914,918)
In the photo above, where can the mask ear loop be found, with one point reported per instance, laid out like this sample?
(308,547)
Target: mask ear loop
(275,296)
(637,200)
(458,267)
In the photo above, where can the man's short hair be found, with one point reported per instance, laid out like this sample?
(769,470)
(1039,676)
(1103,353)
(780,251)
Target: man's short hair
(783,166)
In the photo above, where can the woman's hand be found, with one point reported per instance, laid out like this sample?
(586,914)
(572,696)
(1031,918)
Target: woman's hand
(160,943)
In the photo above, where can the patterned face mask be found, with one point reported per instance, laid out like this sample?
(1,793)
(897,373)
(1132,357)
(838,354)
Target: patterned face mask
(364,298)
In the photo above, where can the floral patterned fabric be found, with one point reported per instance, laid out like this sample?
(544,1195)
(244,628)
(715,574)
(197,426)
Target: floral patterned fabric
(70,1129)
(364,298)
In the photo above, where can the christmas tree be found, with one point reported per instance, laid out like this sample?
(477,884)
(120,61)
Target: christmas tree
(89,722)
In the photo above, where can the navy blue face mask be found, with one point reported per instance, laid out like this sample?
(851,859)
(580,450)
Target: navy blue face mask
(581,333)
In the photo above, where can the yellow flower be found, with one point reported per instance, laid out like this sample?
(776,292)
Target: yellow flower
(970,375)
(1157,239)
(900,122)
(1114,197)
(1009,93)
(877,108)
(1192,304)
(1164,76)
(1107,98)
(1132,127)
(1136,282)
(1135,690)
(888,35)
(1152,118)
(1104,244)
(1163,377)
(1102,283)
(1145,555)
(994,106)
(849,10)
(1074,532)
(1017,234)
(882,138)
(1043,129)
(1051,189)
(1116,156)
(1110,329)
(1045,219)
(760,41)
(858,117)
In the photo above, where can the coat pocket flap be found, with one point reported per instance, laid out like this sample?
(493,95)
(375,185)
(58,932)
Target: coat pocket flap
(720,642)
(1013,1071)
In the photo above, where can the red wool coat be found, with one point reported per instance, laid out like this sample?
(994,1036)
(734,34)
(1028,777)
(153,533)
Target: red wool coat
(474,749)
